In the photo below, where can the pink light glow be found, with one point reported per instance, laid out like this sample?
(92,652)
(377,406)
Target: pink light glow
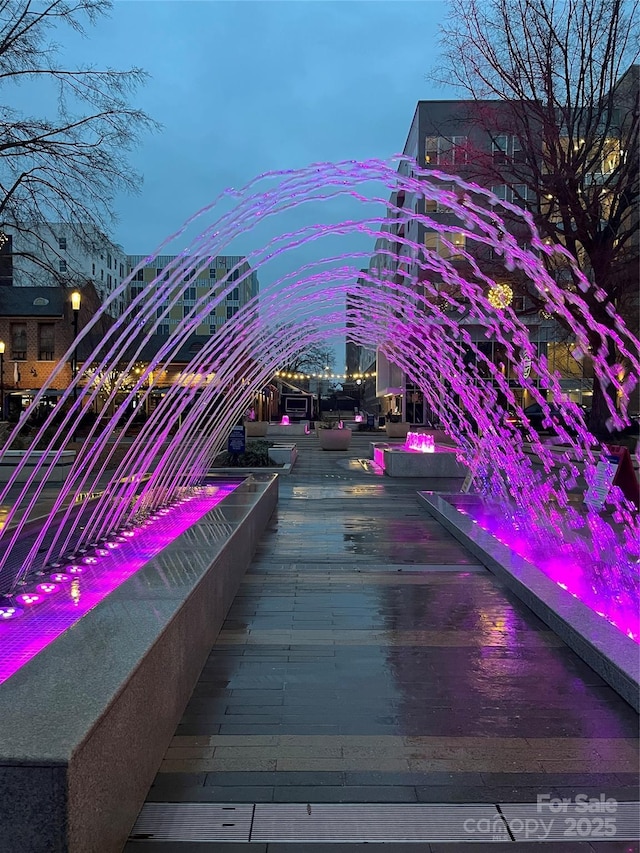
(420,442)
(23,640)
(285,420)
(564,563)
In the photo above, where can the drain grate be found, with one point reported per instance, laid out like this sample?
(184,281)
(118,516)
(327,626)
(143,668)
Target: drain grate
(530,822)
(342,822)
(350,823)
(193,822)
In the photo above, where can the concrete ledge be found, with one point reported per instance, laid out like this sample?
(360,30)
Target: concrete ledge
(288,430)
(614,656)
(443,466)
(283,454)
(86,723)
(10,459)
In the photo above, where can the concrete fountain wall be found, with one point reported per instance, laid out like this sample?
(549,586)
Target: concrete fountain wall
(86,722)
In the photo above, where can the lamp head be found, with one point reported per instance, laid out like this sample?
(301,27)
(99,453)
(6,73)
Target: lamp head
(75,300)
(1,347)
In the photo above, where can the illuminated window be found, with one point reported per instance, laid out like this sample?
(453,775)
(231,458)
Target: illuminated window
(436,243)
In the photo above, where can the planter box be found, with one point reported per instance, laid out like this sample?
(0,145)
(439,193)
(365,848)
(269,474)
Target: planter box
(256,429)
(398,430)
(10,459)
(334,439)
(288,430)
(283,454)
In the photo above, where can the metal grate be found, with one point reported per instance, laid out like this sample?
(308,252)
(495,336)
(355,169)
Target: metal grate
(342,822)
(374,822)
(193,822)
(531,822)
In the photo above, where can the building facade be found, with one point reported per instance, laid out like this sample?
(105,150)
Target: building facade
(56,254)
(477,141)
(229,272)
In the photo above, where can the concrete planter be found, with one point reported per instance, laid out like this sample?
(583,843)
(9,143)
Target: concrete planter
(10,460)
(334,439)
(398,430)
(256,429)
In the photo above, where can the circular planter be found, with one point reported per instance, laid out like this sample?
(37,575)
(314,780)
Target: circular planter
(334,439)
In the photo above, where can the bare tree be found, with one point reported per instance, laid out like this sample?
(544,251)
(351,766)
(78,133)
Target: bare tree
(558,77)
(69,165)
(315,358)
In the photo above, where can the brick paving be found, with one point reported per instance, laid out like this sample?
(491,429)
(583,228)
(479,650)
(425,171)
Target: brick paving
(368,658)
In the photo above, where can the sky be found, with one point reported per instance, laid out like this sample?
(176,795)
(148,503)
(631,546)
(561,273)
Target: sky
(241,88)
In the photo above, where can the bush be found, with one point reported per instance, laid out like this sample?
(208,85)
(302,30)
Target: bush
(256,455)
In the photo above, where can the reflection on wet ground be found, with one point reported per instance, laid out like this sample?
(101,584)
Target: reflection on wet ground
(369,658)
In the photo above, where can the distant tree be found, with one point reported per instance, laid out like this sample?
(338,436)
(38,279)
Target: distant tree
(561,75)
(65,166)
(314,358)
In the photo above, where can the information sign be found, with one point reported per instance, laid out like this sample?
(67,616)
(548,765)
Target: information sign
(237,440)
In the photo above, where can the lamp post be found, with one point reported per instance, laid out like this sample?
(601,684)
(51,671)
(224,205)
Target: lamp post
(75,307)
(1,380)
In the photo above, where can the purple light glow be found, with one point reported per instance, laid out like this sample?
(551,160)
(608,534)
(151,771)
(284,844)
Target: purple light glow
(285,420)
(420,442)
(616,601)
(56,613)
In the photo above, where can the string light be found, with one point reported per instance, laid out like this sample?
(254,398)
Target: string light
(500,295)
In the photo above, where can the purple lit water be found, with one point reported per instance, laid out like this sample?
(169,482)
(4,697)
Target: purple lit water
(44,609)
(564,562)
(411,303)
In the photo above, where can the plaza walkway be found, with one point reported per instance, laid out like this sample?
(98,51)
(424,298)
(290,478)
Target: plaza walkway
(369,659)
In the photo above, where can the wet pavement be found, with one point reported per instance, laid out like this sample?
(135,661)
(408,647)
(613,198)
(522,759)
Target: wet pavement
(368,658)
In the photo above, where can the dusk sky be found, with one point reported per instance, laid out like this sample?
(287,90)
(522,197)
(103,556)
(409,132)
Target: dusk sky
(242,88)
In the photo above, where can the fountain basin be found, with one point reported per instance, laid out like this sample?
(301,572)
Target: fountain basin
(602,645)
(289,430)
(105,698)
(441,468)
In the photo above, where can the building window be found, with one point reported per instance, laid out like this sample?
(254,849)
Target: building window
(19,341)
(231,310)
(108,261)
(500,191)
(440,151)
(139,276)
(62,266)
(186,309)
(163,330)
(234,295)
(62,242)
(108,279)
(101,275)
(212,330)
(46,341)
(212,272)
(436,243)
(190,294)
(93,269)
(121,270)
(189,275)
(136,291)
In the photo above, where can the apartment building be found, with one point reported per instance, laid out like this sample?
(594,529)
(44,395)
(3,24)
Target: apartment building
(477,141)
(56,254)
(225,272)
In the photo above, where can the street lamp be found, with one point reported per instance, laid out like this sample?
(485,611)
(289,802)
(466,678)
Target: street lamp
(1,380)
(75,307)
